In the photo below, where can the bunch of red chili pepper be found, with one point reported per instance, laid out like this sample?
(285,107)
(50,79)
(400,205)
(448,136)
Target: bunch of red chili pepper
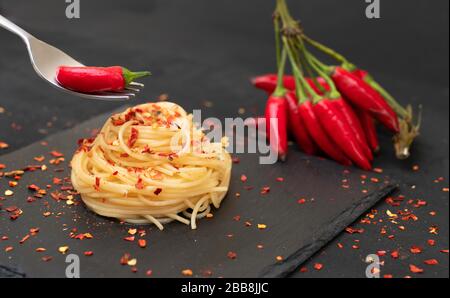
(330,110)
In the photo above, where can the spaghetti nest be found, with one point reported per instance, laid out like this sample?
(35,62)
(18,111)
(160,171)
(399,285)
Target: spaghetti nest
(151,164)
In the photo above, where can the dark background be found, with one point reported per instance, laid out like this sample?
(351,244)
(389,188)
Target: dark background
(221,43)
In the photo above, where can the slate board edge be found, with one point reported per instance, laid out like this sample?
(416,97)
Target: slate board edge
(325,235)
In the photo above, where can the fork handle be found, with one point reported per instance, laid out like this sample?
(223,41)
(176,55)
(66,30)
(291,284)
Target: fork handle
(10,26)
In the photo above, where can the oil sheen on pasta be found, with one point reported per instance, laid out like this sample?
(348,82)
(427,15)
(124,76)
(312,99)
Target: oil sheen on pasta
(151,164)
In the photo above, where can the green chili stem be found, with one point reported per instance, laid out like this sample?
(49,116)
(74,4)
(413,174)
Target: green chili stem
(280,91)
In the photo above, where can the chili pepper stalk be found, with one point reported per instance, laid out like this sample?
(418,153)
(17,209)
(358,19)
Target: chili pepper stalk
(409,125)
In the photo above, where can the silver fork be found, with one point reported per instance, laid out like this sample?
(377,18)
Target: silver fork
(46,59)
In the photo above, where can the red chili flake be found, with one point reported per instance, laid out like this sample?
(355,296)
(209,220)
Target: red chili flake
(40,249)
(11,209)
(351,230)
(244,178)
(301,201)
(280,179)
(2,166)
(34,231)
(57,181)
(3,145)
(433,230)
(140,183)
(115,173)
(340,245)
(133,137)
(395,254)
(117,121)
(125,155)
(415,269)
(142,243)
(431,242)
(318,266)
(56,154)
(97,184)
(157,191)
(33,187)
(231,255)
(388,276)
(187,272)
(265,190)
(149,272)
(129,238)
(9,248)
(124,259)
(4,238)
(381,253)
(431,262)
(236,160)
(88,253)
(47,259)
(445,189)
(237,218)
(25,238)
(303,270)
(444,251)
(378,170)
(415,250)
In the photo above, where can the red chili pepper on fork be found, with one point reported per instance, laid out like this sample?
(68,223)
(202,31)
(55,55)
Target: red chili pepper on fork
(365,97)
(97,79)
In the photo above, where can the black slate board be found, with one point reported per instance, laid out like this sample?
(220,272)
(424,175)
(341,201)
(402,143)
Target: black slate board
(294,231)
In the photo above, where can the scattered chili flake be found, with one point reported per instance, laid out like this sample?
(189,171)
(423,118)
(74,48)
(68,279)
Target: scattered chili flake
(187,272)
(244,178)
(237,218)
(395,254)
(236,160)
(57,181)
(433,230)
(3,145)
(431,242)
(132,231)
(33,187)
(445,189)
(142,243)
(47,213)
(388,276)
(265,190)
(415,269)
(279,259)
(351,230)
(40,249)
(157,191)
(415,168)
(140,184)
(124,259)
(47,258)
(13,183)
(231,255)
(9,248)
(149,272)
(381,253)
(63,249)
(4,238)
(431,262)
(56,154)
(132,262)
(378,170)
(444,251)
(25,238)
(415,250)
(303,270)
(97,184)
(262,226)
(129,238)
(2,166)
(318,266)
(301,201)
(133,137)
(280,179)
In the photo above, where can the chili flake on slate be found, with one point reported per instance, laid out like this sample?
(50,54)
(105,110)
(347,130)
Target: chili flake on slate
(318,266)
(265,190)
(415,250)
(142,243)
(231,255)
(301,201)
(56,154)
(3,145)
(431,262)
(415,269)
(187,272)
(244,178)
(262,226)
(63,249)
